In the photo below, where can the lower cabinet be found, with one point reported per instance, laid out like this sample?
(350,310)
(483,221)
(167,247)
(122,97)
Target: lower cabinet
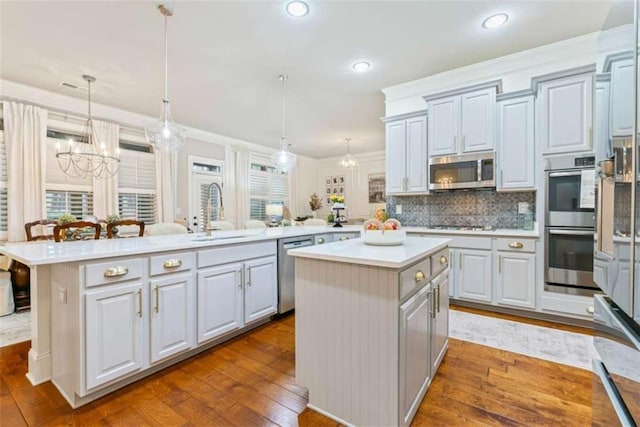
(474,275)
(233,295)
(516,279)
(114,333)
(172,315)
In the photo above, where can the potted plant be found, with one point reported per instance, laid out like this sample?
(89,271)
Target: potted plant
(315,203)
(65,218)
(113,218)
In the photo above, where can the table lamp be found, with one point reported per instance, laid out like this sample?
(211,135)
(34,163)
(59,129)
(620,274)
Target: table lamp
(274,211)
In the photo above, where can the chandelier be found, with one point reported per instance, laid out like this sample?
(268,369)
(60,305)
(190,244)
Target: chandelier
(165,134)
(348,161)
(283,159)
(87,156)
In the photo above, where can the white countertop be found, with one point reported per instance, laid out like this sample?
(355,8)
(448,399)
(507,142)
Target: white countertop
(355,251)
(48,252)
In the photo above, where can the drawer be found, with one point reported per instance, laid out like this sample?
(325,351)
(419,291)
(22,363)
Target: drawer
(466,242)
(340,237)
(113,271)
(170,262)
(411,278)
(439,261)
(235,253)
(516,245)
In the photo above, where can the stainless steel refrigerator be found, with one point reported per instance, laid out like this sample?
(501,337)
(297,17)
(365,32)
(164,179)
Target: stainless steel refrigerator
(616,365)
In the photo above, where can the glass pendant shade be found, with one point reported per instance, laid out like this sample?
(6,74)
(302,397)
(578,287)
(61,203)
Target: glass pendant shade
(87,156)
(283,159)
(165,134)
(348,161)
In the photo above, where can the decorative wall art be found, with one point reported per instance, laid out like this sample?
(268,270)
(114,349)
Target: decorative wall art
(377,188)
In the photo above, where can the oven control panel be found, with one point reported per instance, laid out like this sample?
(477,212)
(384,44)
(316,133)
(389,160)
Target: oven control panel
(584,162)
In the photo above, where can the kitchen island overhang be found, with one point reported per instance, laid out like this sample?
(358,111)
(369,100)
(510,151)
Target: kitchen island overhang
(371,327)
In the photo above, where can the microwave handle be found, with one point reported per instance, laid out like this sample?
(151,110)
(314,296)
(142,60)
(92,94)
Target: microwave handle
(572,232)
(557,174)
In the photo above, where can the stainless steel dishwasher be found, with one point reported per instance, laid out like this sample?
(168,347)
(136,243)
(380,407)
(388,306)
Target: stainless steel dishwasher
(287,271)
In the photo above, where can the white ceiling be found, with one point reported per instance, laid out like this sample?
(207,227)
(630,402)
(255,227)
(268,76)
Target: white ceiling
(225,57)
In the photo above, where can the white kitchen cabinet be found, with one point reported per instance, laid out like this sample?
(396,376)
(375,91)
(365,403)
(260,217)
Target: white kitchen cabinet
(415,350)
(462,123)
(113,333)
(515,144)
(440,319)
(621,101)
(601,130)
(406,155)
(474,275)
(172,315)
(220,301)
(565,113)
(515,284)
(261,289)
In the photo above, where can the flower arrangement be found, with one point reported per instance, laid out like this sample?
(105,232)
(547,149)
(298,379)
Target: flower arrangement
(112,218)
(336,198)
(66,218)
(315,202)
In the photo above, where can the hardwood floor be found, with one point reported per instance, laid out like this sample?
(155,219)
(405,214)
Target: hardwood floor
(249,381)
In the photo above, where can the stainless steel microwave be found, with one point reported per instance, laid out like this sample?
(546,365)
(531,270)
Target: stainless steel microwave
(464,171)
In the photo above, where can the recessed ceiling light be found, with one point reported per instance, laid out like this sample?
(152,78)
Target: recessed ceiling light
(297,8)
(495,21)
(361,66)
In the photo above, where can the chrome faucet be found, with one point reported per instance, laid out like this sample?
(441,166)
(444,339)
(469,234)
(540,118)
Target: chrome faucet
(207,227)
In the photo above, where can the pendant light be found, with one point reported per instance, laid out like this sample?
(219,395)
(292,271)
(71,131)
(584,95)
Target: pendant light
(84,158)
(165,134)
(348,161)
(283,159)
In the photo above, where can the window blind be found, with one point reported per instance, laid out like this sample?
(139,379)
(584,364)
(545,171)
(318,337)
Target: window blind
(3,186)
(136,186)
(77,203)
(266,186)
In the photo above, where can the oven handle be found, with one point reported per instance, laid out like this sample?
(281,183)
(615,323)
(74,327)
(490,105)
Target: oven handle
(557,174)
(571,232)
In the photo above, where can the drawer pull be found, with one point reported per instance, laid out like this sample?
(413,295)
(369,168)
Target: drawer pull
(443,259)
(516,245)
(139,302)
(590,310)
(342,239)
(172,263)
(419,277)
(320,240)
(115,271)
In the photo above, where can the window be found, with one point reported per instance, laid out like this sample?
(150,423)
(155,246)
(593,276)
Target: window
(204,172)
(266,186)
(77,203)
(3,188)
(136,184)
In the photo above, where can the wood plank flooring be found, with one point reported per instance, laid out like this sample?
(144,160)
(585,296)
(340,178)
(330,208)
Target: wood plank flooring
(249,381)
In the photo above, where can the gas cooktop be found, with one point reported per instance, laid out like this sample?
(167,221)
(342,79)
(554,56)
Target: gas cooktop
(465,227)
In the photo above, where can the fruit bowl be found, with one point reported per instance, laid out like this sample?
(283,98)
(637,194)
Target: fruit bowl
(383,237)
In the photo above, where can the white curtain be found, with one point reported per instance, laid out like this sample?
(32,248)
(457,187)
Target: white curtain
(296,175)
(166,182)
(105,191)
(241,184)
(25,133)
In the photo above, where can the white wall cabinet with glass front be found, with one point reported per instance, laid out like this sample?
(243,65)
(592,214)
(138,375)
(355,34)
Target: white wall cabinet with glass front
(406,155)
(564,114)
(462,123)
(515,144)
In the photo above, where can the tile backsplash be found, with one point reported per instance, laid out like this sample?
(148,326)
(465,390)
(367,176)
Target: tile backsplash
(461,208)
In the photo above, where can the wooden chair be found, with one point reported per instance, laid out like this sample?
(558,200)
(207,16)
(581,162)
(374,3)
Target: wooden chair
(57,230)
(125,222)
(42,222)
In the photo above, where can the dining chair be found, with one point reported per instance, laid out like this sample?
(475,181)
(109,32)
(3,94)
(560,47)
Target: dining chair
(62,229)
(222,225)
(254,223)
(28,228)
(111,233)
(165,228)
(315,222)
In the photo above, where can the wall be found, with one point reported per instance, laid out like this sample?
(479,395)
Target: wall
(356,183)
(466,208)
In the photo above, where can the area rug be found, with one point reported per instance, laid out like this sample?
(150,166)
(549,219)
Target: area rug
(15,328)
(567,348)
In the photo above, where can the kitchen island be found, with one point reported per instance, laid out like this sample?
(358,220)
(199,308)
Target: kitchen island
(371,327)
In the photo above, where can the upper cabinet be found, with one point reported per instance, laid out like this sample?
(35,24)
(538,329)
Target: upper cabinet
(621,101)
(462,123)
(515,144)
(564,114)
(406,155)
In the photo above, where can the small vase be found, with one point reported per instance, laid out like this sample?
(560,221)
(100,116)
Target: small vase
(314,214)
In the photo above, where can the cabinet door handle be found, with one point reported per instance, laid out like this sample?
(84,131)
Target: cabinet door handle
(116,271)
(433,304)
(443,259)
(501,179)
(438,298)
(419,276)
(157,298)
(139,302)
(172,263)
(499,264)
(516,245)
(240,279)
(590,310)
(249,274)
(320,240)
(460,266)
